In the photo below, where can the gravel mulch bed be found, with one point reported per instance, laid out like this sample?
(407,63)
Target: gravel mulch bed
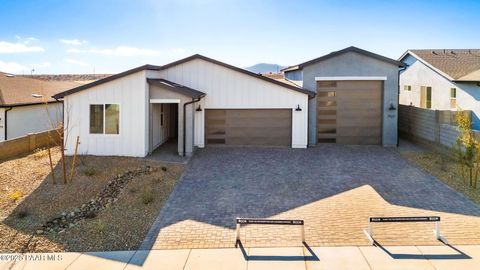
(444,168)
(120,226)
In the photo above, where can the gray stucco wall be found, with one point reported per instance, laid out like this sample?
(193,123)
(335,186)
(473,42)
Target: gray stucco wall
(164,93)
(355,64)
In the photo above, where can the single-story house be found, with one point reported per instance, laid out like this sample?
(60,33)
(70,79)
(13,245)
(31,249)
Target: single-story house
(198,101)
(26,105)
(356,97)
(442,79)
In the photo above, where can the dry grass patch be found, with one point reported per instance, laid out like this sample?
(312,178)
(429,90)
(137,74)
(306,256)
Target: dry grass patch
(445,169)
(122,225)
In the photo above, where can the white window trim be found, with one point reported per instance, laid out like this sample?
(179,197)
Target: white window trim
(163,100)
(352,78)
(104,118)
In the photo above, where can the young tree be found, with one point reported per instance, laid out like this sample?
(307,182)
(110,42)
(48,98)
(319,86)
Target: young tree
(467,149)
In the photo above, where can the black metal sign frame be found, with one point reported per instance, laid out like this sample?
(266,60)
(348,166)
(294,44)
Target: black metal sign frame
(405,219)
(259,221)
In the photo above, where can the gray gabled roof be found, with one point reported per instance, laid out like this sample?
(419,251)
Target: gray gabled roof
(454,64)
(177,88)
(181,61)
(346,50)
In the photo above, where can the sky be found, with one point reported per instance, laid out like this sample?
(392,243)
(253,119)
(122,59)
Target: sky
(111,36)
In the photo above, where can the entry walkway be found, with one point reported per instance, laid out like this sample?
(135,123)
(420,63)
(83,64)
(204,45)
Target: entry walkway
(291,258)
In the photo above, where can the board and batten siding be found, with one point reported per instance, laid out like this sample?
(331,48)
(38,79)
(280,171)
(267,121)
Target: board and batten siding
(229,89)
(130,92)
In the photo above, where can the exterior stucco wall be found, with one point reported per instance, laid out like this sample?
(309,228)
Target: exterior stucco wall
(2,124)
(30,119)
(130,92)
(355,64)
(418,74)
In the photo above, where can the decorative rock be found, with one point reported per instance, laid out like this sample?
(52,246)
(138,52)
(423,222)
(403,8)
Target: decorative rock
(105,199)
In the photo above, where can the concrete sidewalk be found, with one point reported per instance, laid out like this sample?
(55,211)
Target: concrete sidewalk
(291,258)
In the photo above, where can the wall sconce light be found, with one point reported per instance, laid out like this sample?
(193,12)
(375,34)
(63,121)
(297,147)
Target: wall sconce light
(392,108)
(199,108)
(298,109)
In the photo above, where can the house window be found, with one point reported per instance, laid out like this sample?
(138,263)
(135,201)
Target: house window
(104,119)
(407,87)
(426,97)
(453,98)
(96,119)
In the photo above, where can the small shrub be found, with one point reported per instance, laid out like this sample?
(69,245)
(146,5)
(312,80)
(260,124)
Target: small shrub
(40,153)
(16,195)
(23,214)
(100,226)
(89,170)
(164,169)
(147,196)
(132,190)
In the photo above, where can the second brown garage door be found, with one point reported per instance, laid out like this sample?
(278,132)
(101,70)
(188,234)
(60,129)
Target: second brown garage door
(349,112)
(248,126)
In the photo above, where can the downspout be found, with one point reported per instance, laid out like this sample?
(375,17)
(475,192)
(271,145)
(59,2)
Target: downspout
(185,122)
(5,129)
(398,102)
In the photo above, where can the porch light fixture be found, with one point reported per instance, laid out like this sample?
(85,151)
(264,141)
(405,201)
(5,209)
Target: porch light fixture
(298,109)
(199,108)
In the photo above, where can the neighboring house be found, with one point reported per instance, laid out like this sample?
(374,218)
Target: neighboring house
(356,97)
(197,101)
(26,105)
(444,79)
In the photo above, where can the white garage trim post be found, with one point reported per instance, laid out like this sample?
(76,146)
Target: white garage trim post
(352,78)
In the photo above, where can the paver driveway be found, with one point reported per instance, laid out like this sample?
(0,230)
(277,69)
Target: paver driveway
(333,188)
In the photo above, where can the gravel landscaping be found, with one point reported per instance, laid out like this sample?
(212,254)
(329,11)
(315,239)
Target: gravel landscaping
(444,168)
(110,204)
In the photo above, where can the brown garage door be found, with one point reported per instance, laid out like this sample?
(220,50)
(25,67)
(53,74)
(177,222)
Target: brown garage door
(248,127)
(349,112)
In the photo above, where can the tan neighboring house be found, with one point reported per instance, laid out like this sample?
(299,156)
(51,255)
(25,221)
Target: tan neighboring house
(442,79)
(26,105)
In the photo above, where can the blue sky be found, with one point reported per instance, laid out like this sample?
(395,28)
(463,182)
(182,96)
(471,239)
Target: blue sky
(110,36)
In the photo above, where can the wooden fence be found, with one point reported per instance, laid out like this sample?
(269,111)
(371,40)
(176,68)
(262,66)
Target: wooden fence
(434,127)
(26,144)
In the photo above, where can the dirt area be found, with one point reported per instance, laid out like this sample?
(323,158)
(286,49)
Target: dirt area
(28,199)
(444,168)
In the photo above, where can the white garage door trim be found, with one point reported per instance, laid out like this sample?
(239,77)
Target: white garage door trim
(352,78)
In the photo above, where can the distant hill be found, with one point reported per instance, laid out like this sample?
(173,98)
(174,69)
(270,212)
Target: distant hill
(264,68)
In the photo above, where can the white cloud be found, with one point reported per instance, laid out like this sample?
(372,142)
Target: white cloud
(7,47)
(41,65)
(12,67)
(76,62)
(119,51)
(26,40)
(75,42)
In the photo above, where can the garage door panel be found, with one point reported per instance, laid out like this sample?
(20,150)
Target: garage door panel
(250,126)
(359,131)
(357,111)
(360,140)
